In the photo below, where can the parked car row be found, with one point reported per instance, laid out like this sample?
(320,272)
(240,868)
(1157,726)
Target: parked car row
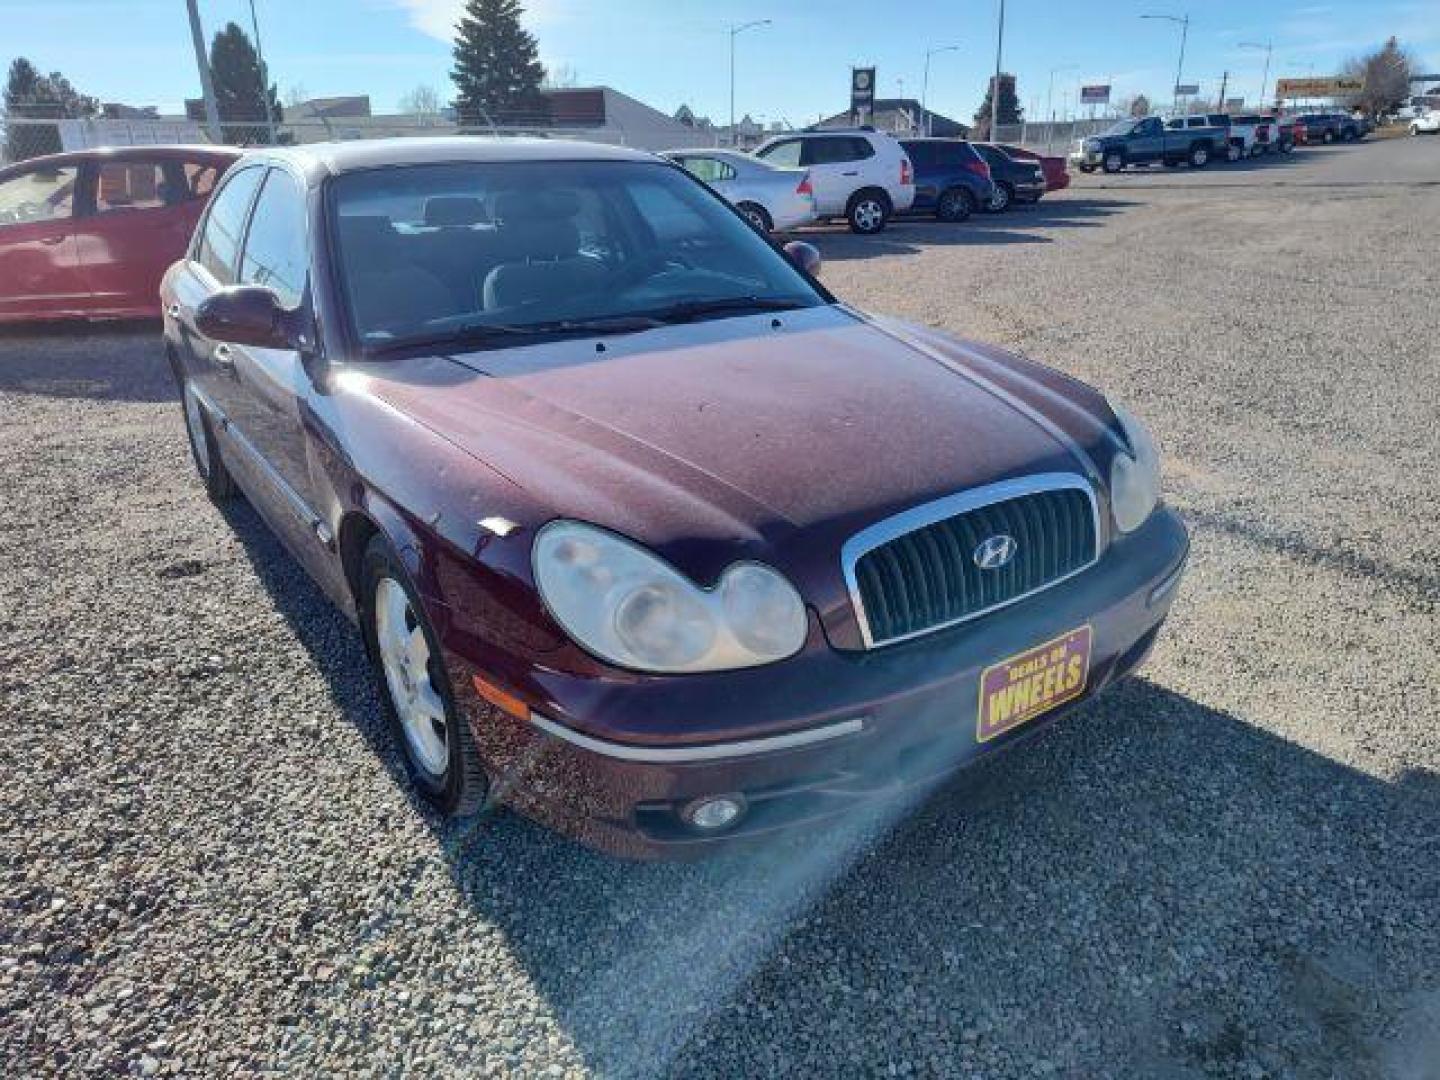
(1202,138)
(867,177)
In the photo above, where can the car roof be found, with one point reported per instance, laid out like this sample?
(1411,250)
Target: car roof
(183,151)
(317,160)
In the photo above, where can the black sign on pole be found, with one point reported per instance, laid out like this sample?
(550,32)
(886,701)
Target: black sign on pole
(862,95)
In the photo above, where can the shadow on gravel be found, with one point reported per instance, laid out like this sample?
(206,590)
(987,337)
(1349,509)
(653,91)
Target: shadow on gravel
(909,235)
(1154,887)
(112,361)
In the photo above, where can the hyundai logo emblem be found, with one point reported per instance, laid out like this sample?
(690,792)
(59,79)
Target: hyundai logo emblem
(996,552)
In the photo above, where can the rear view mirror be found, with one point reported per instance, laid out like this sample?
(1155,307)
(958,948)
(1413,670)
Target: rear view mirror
(805,256)
(247,315)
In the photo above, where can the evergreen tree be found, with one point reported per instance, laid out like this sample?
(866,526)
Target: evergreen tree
(1010,111)
(30,95)
(497,69)
(241,92)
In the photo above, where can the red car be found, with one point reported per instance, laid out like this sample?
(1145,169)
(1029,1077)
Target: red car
(89,234)
(648,536)
(1056,175)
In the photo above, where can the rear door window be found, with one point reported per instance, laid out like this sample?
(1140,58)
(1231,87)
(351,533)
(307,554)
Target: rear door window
(225,223)
(833,150)
(130,185)
(709,169)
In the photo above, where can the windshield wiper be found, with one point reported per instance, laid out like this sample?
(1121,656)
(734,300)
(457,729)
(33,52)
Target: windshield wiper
(686,310)
(478,332)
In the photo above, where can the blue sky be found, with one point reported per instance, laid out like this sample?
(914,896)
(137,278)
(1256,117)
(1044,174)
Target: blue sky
(669,52)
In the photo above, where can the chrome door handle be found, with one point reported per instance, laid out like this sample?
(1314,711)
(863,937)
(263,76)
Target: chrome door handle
(850,173)
(51,241)
(174,311)
(223,356)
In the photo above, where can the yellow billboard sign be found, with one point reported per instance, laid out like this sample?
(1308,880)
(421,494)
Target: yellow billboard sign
(1319,86)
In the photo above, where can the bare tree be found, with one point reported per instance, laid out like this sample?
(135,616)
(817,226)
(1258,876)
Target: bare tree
(1386,73)
(296,95)
(1137,106)
(422,101)
(562,77)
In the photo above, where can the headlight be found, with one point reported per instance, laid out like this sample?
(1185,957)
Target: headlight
(628,606)
(1134,476)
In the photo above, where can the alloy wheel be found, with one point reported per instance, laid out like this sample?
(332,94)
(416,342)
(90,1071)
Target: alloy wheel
(405,659)
(869,215)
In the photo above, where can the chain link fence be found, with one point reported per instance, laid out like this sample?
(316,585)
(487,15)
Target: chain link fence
(22,138)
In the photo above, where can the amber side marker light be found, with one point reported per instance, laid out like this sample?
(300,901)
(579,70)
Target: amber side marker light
(503,700)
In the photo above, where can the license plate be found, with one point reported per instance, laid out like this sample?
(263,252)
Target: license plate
(1028,684)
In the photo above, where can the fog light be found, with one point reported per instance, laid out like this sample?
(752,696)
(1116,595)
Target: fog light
(713,812)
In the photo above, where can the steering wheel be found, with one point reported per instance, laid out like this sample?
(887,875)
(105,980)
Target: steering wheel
(649,266)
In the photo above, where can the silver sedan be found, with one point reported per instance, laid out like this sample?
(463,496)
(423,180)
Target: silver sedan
(774,199)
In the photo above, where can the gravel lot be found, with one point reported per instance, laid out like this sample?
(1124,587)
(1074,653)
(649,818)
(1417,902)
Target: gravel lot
(1227,867)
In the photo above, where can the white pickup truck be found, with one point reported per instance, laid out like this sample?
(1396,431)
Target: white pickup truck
(1242,140)
(1426,121)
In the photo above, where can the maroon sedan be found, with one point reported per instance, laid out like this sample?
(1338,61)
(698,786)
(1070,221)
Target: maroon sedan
(1057,177)
(89,234)
(646,534)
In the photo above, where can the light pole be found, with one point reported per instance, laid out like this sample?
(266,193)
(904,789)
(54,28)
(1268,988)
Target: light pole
(925,85)
(1184,22)
(1265,78)
(734,31)
(1050,100)
(264,76)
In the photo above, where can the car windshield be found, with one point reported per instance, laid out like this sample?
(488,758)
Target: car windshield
(1121,127)
(481,252)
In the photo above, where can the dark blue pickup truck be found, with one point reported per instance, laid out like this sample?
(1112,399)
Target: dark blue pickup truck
(1146,141)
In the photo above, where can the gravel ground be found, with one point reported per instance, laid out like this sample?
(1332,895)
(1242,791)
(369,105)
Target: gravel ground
(1228,867)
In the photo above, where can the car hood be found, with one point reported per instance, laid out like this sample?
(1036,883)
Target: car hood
(772,436)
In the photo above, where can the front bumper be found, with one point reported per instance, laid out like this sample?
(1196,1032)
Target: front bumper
(1087,157)
(829,731)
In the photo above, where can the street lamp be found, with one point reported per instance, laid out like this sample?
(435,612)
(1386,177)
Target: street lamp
(1050,100)
(1184,22)
(925,86)
(1265,78)
(734,31)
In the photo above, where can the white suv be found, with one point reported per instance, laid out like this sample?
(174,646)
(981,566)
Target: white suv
(862,176)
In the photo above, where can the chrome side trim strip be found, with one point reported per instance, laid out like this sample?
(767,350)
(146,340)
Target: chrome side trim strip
(917,517)
(714,752)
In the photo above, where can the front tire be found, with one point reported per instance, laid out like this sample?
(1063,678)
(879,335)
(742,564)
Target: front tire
(1001,200)
(1199,156)
(1114,161)
(758,217)
(868,213)
(411,680)
(1234,152)
(204,450)
(955,205)
(1414,131)
(1328,137)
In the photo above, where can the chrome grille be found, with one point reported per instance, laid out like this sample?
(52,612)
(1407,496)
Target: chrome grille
(917,572)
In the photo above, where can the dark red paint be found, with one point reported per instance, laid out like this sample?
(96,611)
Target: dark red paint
(772,438)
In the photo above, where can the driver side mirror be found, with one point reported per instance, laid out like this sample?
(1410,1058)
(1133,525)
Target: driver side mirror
(249,315)
(805,256)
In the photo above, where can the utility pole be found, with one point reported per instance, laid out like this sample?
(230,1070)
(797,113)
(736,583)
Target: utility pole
(207,87)
(264,75)
(1050,102)
(995,90)
(1224,81)
(735,30)
(925,85)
